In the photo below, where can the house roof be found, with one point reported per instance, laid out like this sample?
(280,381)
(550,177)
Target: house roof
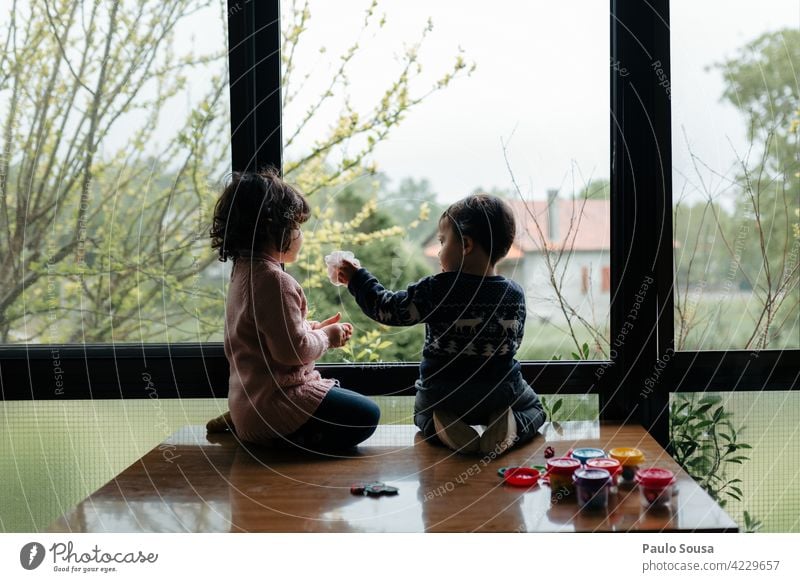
(583,225)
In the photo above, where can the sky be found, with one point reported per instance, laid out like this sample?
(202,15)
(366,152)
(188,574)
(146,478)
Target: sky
(541,86)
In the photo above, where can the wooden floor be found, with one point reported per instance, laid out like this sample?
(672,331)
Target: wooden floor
(189,484)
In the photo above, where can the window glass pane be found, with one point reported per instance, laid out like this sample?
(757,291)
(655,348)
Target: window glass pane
(746,456)
(736,174)
(116,133)
(393,111)
(54,454)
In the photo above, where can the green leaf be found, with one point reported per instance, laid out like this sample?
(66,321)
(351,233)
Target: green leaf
(557,405)
(702,409)
(738,459)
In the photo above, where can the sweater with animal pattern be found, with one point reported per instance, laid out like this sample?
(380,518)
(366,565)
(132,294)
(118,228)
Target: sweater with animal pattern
(473,324)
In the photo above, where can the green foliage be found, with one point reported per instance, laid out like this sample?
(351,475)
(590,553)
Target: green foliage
(107,242)
(584,353)
(751,524)
(558,401)
(551,411)
(366,347)
(351,218)
(742,240)
(569,407)
(595,190)
(705,443)
(761,80)
(102,241)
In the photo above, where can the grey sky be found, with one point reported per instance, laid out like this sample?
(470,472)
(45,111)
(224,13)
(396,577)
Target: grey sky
(542,84)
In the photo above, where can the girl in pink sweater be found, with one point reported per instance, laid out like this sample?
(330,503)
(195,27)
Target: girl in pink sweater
(274,392)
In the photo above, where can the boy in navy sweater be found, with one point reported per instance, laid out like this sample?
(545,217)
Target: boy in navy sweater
(474,320)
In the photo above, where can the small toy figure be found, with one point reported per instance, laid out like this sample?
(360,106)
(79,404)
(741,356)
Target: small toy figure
(375,489)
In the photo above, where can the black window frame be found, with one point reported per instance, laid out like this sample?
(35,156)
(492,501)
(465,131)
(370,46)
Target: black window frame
(642,328)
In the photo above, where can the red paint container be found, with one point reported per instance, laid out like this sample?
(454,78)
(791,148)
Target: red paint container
(559,472)
(521,476)
(655,487)
(613,466)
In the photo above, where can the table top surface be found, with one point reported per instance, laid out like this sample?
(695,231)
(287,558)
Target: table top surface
(192,484)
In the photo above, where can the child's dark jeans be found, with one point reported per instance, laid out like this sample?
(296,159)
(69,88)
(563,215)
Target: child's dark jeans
(474,402)
(343,420)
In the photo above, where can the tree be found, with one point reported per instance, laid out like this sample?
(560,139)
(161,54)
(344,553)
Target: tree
(105,243)
(405,202)
(596,190)
(748,242)
(93,242)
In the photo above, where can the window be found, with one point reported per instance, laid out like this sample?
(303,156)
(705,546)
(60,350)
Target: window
(736,175)
(639,261)
(110,173)
(425,109)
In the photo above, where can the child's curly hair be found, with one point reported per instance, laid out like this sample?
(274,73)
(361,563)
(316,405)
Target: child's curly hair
(256,210)
(487,219)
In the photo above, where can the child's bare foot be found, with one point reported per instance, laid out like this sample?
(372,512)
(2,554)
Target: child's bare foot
(455,433)
(222,423)
(501,433)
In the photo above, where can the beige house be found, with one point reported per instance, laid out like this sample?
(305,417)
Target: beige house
(568,239)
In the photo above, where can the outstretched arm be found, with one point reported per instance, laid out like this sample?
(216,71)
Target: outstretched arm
(407,307)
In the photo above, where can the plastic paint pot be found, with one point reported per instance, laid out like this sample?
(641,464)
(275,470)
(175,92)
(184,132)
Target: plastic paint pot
(655,487)
(630,459)
(586,453)
(613,466)
(559,472)
(591,488)
(521,476)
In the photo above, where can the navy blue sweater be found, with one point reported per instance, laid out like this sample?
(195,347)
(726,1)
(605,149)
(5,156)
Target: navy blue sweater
(473,324)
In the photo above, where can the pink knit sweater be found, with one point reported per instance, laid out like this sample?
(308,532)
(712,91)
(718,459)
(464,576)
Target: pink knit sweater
(273,387)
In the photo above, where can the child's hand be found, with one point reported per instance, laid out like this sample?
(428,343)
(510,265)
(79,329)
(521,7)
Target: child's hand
(346,271)
(338,334)
(330,321)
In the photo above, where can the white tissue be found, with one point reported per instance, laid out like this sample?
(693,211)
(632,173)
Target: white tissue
(334,261)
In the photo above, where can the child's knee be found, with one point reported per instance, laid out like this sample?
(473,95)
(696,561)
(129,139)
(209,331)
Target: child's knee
(372,413)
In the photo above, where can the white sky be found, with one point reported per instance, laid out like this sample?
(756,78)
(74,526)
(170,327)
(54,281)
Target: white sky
(542,84)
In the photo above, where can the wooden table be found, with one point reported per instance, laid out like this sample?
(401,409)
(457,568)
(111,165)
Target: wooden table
(190,484)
